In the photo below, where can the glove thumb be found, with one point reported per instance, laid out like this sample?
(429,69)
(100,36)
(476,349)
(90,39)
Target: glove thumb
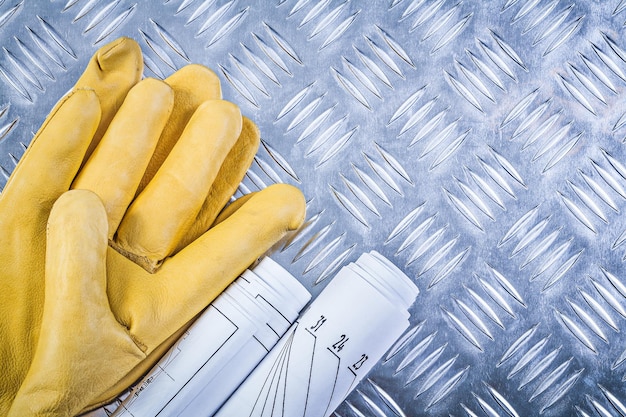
(78,330)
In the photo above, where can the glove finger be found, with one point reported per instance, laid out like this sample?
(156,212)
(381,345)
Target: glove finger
(117,165)
(53,158)
(233,207)
(157,305)
(166,208)
(228,179)
(111,72)
(79,333)
(193,85)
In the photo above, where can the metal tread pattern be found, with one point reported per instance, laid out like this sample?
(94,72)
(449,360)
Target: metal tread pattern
(479,145)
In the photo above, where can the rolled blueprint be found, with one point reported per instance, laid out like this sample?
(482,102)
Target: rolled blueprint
(222,347)
(331,347)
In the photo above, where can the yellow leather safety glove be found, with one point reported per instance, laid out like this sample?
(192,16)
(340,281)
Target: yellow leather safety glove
(139,246)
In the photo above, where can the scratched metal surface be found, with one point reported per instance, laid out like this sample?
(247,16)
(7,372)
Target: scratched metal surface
(479,145)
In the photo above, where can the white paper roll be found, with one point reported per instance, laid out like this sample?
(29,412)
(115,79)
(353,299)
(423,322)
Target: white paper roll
(332,346)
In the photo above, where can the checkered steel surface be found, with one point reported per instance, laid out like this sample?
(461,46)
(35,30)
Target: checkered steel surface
(479,145)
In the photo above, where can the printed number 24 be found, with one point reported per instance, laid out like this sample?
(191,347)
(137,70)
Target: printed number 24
(338,346)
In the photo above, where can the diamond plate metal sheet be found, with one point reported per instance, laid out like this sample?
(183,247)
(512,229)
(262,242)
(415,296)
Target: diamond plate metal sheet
(479,145)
